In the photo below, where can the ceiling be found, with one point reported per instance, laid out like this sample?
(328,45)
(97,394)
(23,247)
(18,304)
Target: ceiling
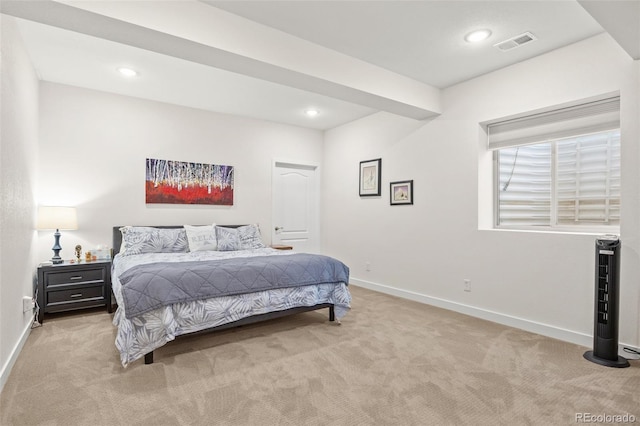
(424,40)
(272,60)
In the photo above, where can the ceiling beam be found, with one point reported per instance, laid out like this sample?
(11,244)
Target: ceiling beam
(621,19)
(396,94)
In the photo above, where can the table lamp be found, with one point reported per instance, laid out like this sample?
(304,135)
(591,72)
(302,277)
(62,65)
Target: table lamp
(54,217)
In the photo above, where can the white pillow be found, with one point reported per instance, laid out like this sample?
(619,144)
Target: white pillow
(201,238)
(250,238)
(145,239)
(227,238)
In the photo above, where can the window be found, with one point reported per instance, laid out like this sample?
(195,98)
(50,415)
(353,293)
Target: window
(560,169)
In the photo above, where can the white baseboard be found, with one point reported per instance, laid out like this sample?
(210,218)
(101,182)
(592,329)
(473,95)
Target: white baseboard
(6,368)
(508,320)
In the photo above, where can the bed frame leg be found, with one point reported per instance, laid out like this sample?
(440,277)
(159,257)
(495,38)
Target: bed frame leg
(332,313)
(148,358)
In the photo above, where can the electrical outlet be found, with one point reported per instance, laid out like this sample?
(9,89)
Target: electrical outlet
(467,285)
(28,304)
(367,266)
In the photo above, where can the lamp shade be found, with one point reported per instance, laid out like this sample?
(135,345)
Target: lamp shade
(54,217)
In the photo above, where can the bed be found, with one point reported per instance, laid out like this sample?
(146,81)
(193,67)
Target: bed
(170,281)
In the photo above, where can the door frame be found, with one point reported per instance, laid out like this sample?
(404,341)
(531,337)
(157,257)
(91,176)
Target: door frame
(278,162)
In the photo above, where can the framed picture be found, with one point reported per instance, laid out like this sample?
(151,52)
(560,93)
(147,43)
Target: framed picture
(179,182)
(370,177)
(401,192)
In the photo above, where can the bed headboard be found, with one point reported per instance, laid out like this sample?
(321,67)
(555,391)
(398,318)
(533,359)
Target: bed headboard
(117,235)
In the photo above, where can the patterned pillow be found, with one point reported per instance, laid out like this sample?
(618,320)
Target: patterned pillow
(142,239)
(250,237)
(201,238)
(228,239)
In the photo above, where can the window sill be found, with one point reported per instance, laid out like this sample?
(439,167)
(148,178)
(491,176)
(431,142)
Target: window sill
(573,231)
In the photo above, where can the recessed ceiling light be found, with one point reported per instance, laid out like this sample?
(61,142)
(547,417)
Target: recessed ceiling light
(311,112)
(478,35)
(127,72)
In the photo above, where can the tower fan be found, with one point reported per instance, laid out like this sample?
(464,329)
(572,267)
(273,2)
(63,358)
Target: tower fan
(607,299)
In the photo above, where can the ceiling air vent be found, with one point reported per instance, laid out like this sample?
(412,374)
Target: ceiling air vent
(516,41)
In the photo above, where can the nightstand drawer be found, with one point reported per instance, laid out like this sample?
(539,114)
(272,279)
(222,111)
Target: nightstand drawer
(72,286)
(79,294)
(75,277)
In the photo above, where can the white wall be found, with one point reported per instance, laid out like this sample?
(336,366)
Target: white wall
(538,281)
(18,164)
(93,147)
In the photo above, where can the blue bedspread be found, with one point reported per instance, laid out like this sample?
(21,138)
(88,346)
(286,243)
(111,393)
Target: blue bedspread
(150,286)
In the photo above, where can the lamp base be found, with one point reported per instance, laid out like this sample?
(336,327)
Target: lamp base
(56,259)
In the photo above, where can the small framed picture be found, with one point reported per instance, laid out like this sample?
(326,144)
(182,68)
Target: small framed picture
(401,192)
(370,177)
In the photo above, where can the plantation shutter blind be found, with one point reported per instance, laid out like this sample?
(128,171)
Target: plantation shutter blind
(525,187)
(559,168)
(577,120)
(588,180)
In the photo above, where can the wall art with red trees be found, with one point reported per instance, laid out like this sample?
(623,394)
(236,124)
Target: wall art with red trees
(179,182)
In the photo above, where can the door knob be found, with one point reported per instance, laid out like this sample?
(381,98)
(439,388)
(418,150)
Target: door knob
(278,228)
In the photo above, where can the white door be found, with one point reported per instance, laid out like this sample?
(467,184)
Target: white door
(296,200)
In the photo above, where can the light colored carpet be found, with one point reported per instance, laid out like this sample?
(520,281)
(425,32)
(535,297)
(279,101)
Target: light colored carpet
(391,362)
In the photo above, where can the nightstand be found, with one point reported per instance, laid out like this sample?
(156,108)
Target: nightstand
(281,247)
(71,286)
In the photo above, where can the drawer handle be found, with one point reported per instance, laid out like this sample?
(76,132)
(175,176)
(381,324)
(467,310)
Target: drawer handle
(76,295)
(77,277)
